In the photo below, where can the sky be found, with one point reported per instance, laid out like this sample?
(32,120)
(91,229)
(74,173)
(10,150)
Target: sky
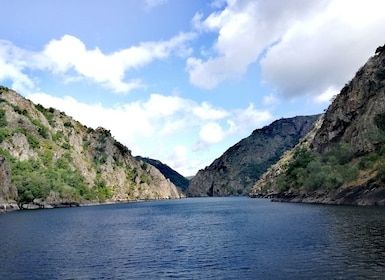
(181,81)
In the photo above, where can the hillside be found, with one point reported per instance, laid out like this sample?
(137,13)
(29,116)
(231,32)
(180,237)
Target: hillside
(241,165)
(50,160)
(342,161)
(176,178)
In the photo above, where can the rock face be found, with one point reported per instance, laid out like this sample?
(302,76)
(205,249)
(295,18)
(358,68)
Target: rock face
(354,121)
(50,159)
(241,165)
(349,119)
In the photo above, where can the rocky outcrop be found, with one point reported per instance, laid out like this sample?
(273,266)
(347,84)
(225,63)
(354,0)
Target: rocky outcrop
(349,119)
(354,121)
(241,165)
(50,160)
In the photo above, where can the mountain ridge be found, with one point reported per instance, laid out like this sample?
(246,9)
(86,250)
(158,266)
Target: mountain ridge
(342,161)
(177,179)
(55,161)
(240,166)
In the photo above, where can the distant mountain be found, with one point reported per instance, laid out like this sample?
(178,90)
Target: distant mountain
(342,160)
(237,170)
(47,159)
(176,178)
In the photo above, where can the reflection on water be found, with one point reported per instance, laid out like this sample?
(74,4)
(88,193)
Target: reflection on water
(217,238)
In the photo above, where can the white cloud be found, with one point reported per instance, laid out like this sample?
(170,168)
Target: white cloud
(327,96)
(305,47)
(70,58)
(245,29)
(211,133)
(13,60)
(70,54)
(250,117)
(325,50)
(165,127)
(207,112)
(270,100)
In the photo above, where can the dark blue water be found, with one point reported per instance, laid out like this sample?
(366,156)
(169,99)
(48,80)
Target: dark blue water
(200,238)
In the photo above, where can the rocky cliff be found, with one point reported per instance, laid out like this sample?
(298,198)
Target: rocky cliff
(241,165)
(50,160)
(342,160)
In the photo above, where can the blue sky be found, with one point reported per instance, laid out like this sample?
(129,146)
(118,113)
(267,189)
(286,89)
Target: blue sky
(182,81)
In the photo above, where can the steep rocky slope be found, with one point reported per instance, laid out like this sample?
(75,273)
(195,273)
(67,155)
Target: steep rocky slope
(342,161)
(176,178)
(50,160)
(241,165)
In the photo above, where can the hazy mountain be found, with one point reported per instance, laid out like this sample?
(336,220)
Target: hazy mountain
(241,165)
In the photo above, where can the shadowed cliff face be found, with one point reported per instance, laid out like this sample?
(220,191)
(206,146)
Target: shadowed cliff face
(48,159)
(241,165)
(349,136)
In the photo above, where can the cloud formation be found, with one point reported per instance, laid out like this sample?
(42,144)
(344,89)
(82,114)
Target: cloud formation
(324,51)
(245,29)
(303,47)
(13,61)
(70,58)
(69,53)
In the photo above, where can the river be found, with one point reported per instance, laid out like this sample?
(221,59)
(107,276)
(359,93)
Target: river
(195,238)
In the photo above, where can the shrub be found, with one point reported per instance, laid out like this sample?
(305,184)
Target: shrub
(33,141)
(3,120)
(4,133)
(68,124)
(43,131)
(312,171)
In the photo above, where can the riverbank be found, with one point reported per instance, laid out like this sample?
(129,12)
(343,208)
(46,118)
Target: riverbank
(11,206)
(372,195)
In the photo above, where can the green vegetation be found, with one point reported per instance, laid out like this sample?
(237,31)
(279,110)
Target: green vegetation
(3,120)
(4,133)
(131,175)
(46,167)
(68,124)
(36,178)
(103,191)
(311,170)
(48,113)
(3,88)
(33,141)
(43,131)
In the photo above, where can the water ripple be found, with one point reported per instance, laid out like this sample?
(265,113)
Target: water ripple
(217,238)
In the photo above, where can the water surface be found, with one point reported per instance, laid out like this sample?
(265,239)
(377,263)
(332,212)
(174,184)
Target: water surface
(197,238)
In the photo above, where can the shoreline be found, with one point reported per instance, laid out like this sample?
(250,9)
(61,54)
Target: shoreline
(368,195)
(7,207)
